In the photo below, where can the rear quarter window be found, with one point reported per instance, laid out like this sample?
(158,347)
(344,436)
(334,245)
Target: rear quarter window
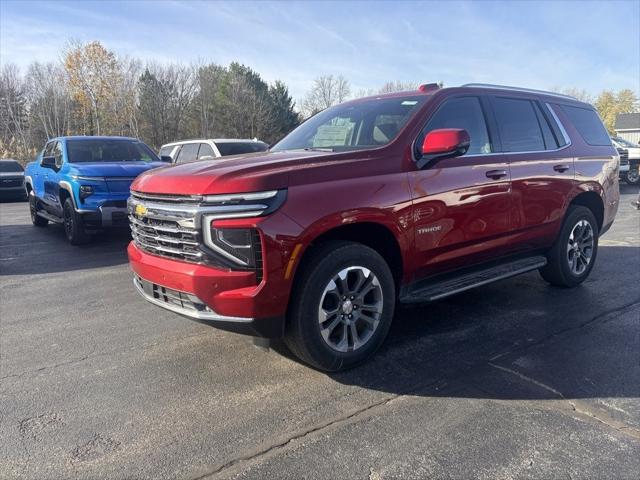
(588,124)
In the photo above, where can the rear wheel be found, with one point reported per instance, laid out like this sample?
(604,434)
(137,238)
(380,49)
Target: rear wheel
(73,225)
(37,220)
(632,176)
(573,255)
(342,310)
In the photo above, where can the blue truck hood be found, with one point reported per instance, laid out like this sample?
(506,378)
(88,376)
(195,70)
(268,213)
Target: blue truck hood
(113,169)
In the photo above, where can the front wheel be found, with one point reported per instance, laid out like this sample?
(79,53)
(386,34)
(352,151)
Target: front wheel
(573,254)
(342,309)
(73,224)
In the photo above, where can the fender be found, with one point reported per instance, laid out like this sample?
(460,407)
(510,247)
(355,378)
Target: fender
(354,217)
(64,185)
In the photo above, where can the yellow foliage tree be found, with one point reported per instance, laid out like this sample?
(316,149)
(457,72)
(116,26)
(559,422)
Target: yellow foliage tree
(94,74)
(609,104)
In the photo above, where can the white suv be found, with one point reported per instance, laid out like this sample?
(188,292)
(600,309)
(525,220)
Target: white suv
(207,149)
(629,172)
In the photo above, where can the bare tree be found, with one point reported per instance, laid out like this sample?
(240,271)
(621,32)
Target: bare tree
(13,108)
(327,90)
(398,86)
(50,102)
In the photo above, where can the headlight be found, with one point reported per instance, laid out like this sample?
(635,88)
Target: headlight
(85,191)
(242,246)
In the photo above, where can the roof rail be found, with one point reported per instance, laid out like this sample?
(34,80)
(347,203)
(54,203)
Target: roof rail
(517,89)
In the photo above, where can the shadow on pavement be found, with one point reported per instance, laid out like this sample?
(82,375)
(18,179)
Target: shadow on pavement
(25,249)
(490,342)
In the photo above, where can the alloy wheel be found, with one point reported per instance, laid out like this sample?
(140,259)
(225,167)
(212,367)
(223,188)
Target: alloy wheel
(580,247)
(350,309)
(68,222)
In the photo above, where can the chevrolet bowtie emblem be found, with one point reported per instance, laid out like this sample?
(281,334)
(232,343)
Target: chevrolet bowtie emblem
(141,210)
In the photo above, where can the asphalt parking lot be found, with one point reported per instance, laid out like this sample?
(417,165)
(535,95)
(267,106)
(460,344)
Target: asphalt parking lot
(515,379)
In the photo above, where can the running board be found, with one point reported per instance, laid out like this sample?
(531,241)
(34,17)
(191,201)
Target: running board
(50,217)
(455,284)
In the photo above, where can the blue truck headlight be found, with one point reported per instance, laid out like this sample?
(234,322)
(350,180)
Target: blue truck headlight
(85,191)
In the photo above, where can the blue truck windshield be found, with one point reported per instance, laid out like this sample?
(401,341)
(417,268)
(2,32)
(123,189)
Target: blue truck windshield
(107,150)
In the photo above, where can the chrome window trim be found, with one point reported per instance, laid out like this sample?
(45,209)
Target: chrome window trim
(560,125)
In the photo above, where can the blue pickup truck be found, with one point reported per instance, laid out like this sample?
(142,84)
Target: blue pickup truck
(83,182)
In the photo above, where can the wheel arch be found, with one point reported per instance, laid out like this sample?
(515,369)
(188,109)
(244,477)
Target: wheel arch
(593,202)
(66,191)
(374,235)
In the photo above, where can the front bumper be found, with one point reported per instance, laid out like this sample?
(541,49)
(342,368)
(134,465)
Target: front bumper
(112,213)
(226,299)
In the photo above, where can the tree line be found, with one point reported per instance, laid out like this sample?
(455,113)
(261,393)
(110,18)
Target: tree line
(92,91)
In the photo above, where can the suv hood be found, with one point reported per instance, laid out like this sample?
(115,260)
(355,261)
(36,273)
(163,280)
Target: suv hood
(113,169)
(251,173)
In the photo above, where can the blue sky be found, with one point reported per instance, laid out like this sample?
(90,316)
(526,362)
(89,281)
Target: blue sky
(587,45)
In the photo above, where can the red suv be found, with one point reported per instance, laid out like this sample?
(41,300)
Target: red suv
(406,197)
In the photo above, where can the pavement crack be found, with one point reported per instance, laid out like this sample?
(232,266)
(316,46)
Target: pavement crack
(298,436)
(589,322)
(581,408)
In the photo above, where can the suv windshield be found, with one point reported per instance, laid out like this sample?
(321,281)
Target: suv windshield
(625,143)
(10,166)
(353,126)
(109,150)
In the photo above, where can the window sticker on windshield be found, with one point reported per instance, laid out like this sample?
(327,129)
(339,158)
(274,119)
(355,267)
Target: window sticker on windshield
(332,135)
(409,102)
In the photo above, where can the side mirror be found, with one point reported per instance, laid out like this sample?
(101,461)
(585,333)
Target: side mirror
(444,143)
(166,158)
(49,162)
(206,157)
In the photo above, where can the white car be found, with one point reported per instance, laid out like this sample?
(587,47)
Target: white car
(207,149)
(629,170)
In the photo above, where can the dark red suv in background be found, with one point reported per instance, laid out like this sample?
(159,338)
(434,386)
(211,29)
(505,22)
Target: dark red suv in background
(410,196)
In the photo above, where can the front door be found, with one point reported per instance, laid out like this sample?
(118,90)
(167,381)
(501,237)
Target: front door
(52,182)
(461,205)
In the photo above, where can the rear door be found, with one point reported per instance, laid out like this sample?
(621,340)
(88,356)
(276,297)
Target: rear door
(542,170)
(461,205)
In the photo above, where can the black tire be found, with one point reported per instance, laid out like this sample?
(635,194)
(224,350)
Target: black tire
(73,225)
(37,220)
(303,333)
(559,270)
(632,176)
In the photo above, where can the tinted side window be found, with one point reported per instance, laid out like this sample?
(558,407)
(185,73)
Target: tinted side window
(48,149)
(166,151)
(550,141)
(463,112)
(238,148)
(205,151)
(518,125)
(588,125)
(57,152)
(188,153)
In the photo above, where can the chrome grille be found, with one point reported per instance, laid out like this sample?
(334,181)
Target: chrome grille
(165,230)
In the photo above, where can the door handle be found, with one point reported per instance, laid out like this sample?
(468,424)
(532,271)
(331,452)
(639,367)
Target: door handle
(496,174)
(561,168)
